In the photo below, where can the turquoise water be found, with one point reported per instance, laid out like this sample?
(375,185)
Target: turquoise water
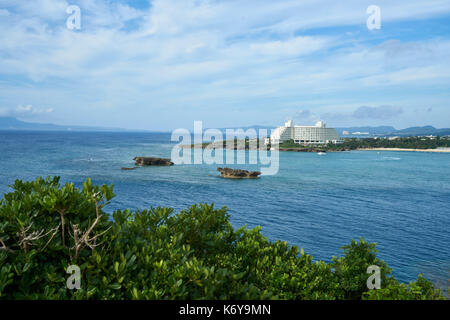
(400,200)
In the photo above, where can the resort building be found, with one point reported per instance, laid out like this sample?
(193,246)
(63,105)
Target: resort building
(306,135)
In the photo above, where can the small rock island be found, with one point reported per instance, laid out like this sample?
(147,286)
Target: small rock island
(238,173)
(152,161)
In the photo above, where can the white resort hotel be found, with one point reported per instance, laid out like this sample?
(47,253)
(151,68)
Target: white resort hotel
(307,135)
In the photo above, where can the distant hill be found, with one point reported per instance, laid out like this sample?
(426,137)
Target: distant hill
(391,131)
(420,131)
(10,123)
(369,130)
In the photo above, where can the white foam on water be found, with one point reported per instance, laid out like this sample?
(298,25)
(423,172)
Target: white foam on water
(390,158)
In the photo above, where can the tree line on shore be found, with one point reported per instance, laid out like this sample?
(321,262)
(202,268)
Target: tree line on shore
(402,143)
(347,145)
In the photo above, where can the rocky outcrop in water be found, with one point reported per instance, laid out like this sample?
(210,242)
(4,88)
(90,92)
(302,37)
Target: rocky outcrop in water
(238,173)
(151,161)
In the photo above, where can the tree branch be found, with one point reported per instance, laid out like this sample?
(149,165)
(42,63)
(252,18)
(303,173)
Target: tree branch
(4,247)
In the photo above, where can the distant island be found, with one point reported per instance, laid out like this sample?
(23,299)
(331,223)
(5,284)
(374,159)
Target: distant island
(11,123)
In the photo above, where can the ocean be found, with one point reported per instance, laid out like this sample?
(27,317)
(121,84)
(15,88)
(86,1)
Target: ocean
(400,200)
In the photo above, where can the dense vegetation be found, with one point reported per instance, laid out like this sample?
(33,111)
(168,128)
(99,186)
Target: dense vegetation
(157,254)
(349,144)
(361,143)
(404,143)
(291,145)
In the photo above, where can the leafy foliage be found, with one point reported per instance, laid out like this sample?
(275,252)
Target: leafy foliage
(403,143)
(158,254)
(361,143)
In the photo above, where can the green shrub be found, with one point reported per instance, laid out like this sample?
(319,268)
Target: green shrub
(351,270)
(158,254)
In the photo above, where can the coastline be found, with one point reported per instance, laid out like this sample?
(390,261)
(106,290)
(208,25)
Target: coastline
(316,149)
(401,149)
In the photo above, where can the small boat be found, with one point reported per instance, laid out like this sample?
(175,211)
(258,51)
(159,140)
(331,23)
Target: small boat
(320,153)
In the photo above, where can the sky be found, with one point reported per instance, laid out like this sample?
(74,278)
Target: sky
(162,64)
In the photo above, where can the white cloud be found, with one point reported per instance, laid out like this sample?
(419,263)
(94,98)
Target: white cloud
(292,47)
(49,10)
(24,111)
(207,54)
(30,110)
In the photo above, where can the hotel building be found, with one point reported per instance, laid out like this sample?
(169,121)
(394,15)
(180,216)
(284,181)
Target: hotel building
(306,135)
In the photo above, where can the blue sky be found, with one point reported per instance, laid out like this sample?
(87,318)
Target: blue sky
(162,64)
